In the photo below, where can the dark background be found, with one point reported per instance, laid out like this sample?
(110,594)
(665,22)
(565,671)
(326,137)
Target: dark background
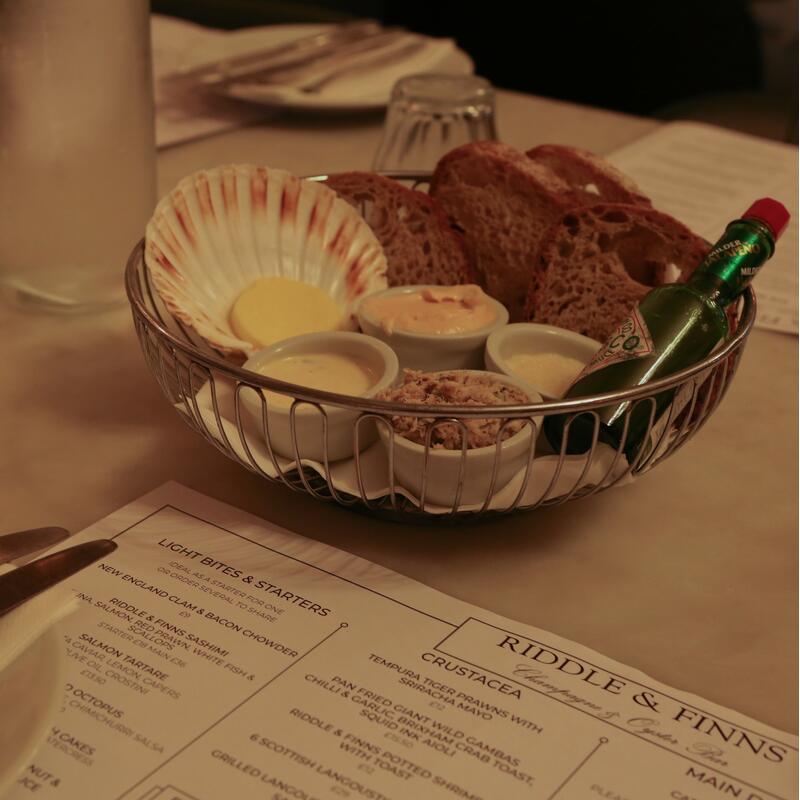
(728,61)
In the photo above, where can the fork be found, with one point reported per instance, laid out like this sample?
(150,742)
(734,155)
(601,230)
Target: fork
(314,84)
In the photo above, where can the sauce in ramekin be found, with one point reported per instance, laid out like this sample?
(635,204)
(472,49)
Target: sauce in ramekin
(329,372)
(438,310)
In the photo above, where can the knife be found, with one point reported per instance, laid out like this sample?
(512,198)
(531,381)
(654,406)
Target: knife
(315,82)
(22,543)
(367,53)
(292,53)
(26,582)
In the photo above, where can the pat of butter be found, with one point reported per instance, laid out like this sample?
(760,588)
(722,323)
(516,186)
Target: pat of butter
(552,374)
(271,309)
(330,372)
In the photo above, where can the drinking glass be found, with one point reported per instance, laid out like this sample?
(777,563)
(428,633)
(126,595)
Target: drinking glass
(77,148)
(429,115)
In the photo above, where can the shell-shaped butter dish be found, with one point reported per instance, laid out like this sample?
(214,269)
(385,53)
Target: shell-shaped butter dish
(222,229)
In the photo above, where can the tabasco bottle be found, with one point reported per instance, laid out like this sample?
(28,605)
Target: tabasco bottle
(673,327)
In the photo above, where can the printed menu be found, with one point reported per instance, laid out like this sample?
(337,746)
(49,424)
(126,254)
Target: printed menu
(707,176)
(216,656)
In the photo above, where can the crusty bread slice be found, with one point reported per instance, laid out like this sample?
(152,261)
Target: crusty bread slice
(597,262)
(593,179)
(504,202)
(420,244)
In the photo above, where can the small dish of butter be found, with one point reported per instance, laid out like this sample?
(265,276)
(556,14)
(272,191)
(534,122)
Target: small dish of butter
(545,357)
(274,308)
(339,362)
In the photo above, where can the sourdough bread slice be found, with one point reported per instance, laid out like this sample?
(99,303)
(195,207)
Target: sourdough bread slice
(504,202)
(597,262)
(592,178)
(418,240)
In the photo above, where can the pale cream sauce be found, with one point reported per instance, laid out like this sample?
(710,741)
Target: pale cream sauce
(551,373)
(445,310)
(330,372)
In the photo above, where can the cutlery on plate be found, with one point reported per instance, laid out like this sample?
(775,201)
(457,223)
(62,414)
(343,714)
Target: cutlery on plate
(313,77)
(24,583)
(23,543)
(293,53)
(345,52)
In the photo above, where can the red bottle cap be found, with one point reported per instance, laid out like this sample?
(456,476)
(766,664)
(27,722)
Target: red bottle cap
(772,213)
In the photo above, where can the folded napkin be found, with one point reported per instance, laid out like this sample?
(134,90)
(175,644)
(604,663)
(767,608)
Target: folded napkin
(20,628)
(190,115)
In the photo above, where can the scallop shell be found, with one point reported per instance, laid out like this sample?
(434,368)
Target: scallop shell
(221,229)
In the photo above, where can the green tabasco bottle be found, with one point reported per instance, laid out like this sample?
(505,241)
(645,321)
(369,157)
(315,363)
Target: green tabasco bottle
(673,327)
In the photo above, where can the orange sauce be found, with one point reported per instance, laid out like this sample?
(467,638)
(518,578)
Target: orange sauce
(439,310)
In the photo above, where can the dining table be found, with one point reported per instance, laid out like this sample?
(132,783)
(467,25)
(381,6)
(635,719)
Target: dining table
(688,574)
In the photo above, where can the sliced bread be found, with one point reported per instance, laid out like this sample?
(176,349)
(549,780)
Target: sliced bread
(597,262)
(420,245)
(592,178)
(504,202)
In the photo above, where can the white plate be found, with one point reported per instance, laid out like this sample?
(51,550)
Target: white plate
(31,691)
(359,91)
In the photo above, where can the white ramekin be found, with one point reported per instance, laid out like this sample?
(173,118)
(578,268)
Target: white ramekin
(341,422)
(432,351)
(531,337)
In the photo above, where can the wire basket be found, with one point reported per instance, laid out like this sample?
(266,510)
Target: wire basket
(210,392)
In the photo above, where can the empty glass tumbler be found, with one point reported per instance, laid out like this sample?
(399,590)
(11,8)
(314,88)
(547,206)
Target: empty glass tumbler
(429,115)
(77,148)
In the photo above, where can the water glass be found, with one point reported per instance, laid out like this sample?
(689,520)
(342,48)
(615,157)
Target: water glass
(77,148)
(429,115)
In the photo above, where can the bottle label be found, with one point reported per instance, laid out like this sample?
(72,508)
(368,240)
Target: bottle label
(738,256)
(631,339)
(738,249)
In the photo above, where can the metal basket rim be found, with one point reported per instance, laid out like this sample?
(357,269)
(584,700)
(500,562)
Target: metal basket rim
(371,405)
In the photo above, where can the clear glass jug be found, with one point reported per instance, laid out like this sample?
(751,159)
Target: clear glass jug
(77,148)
